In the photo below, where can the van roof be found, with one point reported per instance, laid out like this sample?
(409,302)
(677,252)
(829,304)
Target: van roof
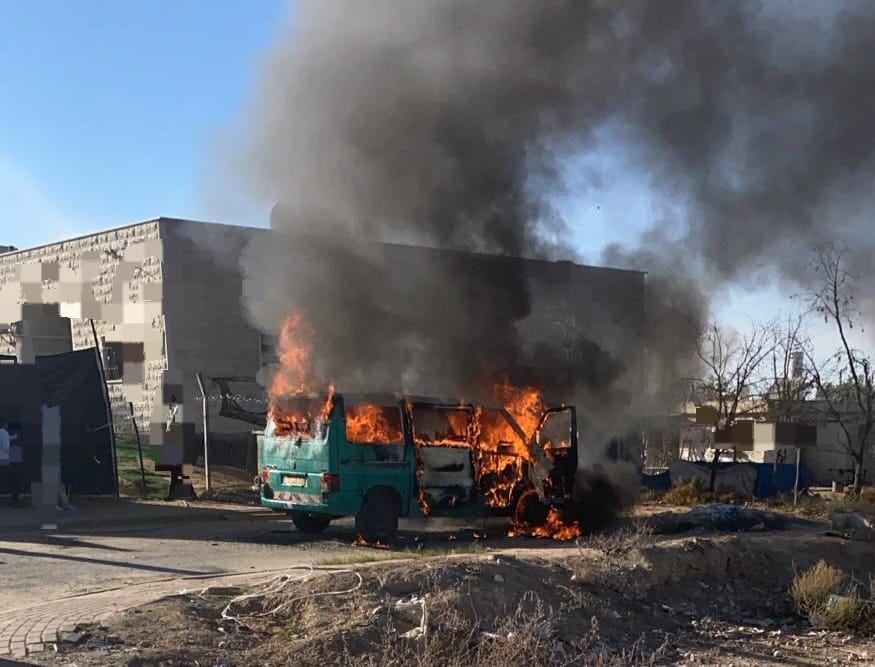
(387,398)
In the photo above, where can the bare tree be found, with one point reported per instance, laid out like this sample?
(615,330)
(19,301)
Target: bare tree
(731,363)
(850,401)
(791,380)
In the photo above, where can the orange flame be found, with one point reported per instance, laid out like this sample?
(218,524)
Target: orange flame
(556,527)
(373,424)
(360,541)
(295,351)
(529,520)
(525,405)
(295,375)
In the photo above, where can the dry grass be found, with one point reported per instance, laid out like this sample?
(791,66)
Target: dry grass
(369,555)
(637,535)
(527,636)
(845,612)
(687,492)
(821,595)
(691,492)
(811,589)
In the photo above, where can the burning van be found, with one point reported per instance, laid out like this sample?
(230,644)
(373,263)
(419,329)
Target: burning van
(383,457)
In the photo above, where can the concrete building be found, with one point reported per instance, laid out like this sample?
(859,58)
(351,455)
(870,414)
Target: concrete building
(818,434)
(162,299)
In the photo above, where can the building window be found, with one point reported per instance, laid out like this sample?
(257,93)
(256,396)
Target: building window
(113,361)
(267,349)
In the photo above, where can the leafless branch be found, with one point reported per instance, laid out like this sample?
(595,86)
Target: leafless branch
(849,402)
(731,363)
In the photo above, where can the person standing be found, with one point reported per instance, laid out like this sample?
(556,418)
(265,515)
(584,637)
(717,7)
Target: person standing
(8,471)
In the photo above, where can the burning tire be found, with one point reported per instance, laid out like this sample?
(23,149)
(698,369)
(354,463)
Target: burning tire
(377,520)
(310,523)
(529,510)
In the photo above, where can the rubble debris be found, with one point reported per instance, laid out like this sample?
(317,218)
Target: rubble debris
(74,637)
(716,516)
(852,526)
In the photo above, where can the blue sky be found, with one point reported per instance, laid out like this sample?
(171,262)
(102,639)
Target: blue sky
(112,111)
(109,109)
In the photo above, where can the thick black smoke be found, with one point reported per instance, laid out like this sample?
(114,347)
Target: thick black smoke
(449,123)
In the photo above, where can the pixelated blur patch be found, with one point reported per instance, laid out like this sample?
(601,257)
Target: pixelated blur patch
(51,271)
(133,353)
(172,393)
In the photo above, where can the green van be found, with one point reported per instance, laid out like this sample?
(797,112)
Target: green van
(382,457)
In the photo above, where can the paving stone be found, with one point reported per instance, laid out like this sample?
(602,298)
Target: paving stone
(32,629)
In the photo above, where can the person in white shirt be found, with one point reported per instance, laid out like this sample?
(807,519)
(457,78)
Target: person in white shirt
(8,471)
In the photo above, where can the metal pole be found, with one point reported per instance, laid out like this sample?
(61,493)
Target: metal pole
(139,447)
(108,406)
(796,483)
(200,383)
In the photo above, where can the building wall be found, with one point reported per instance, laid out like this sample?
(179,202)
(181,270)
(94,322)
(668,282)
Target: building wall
(605,306)
(113,278)
(174,288)
(829,457)
(566,302)
(207,330)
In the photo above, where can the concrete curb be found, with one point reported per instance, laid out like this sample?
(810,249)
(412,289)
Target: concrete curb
(133,522)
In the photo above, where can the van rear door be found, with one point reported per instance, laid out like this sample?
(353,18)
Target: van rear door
(295,448)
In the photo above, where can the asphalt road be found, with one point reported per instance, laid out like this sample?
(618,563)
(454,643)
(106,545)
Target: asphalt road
(50,581)
(35,566)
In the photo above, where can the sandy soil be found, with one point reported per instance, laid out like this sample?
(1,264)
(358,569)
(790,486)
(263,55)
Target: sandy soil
(696,599)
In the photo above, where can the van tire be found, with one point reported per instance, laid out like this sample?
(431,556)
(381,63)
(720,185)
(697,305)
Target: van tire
(528,509)
(377,520)
(310,523)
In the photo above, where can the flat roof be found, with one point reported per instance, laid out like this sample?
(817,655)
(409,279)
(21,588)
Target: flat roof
(457,251)
(118,228)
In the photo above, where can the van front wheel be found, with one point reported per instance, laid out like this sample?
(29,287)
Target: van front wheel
(310,523)
(377,520)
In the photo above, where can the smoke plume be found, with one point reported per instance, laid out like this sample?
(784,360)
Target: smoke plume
(451,124)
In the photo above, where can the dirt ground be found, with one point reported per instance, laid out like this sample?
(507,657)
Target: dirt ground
(619,598)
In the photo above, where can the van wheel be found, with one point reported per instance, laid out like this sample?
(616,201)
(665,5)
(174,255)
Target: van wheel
(377,520)
(310,523)
(529,510)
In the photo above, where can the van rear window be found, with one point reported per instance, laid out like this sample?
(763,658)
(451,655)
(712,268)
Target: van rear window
(300,418)
(373,424)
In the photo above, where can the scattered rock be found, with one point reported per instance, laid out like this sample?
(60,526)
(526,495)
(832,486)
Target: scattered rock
(849,521)
(74,637)
(499,579)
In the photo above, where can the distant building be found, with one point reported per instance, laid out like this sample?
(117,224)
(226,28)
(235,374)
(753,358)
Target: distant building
(756,439)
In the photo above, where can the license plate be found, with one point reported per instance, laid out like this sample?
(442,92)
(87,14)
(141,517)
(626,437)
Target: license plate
(290,480)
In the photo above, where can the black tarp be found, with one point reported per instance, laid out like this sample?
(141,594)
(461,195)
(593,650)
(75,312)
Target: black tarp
(73,381)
